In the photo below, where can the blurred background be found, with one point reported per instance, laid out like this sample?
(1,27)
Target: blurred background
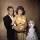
(32,9)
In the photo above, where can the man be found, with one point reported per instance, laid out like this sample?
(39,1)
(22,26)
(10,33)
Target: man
(9,22)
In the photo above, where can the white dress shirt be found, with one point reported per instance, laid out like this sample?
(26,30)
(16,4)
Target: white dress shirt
(12,18)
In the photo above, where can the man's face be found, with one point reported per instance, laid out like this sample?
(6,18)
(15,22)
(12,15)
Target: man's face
(20,12)
(10,11)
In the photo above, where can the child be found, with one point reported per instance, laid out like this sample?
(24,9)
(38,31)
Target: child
(31,33)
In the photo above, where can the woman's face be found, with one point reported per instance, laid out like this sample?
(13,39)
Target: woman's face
(20,12)
(31,23)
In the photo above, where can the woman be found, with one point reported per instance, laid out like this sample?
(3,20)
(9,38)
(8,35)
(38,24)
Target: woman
(21,23)
(20,18)
(31,33)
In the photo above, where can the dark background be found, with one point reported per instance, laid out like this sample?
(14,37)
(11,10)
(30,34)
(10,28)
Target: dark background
(32,9)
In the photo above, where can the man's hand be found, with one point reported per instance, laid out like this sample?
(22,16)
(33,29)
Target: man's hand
(12,23)
(14,26)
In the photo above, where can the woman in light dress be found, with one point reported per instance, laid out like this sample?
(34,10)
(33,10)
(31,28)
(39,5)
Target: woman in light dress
(31,32)
(20,21)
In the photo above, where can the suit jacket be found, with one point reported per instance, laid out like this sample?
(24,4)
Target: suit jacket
(11,33)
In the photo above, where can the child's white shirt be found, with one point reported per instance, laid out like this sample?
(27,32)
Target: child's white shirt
(31,34)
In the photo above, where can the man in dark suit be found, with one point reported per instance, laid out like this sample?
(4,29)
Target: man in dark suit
(11,33)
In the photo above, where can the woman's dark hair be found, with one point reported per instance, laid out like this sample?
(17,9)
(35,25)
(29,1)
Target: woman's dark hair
(20,8)
(12,8)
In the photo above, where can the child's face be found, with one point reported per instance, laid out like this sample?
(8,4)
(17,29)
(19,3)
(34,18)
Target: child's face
(31,23)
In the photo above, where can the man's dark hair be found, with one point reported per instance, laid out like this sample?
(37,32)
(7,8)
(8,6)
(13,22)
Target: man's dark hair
(9,7)
(12,8)
(20,8)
